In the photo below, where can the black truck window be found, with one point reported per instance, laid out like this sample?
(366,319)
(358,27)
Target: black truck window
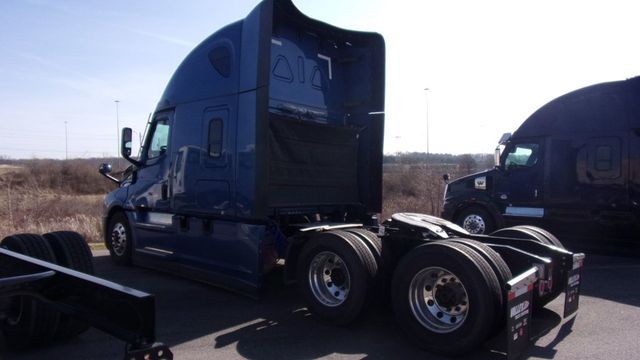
(522,156)
(605,159)
(215,138)
(159,139)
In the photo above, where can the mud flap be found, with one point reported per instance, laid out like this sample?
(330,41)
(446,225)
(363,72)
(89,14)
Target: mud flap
(519,301)
(572,291)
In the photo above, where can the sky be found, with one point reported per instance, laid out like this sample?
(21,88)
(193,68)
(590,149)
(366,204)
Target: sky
(487,65)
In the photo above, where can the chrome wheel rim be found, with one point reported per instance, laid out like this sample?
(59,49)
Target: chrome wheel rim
(329,279)
(474,224)
(438,300)
(119,239)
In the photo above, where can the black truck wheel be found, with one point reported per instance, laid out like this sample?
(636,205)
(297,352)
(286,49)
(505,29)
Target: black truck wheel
(73,252)
(29,322)
(476,220)
(444,297)
(533,233)
(552,239)
(335,275)
(372,241)
(379,292)
(118,239)
(497,263)
(521,232)
(499,268)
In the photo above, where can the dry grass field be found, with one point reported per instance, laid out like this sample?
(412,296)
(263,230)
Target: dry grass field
(40,196)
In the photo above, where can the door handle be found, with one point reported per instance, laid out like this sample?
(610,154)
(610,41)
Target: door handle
(165,191)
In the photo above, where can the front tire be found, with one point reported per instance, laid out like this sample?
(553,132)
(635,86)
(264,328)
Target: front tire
(335,275)
(476,220)
(118,239)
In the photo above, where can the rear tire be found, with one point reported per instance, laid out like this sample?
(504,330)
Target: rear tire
(372,241)
(497,263)
(521,232)
(382,281)
(335,275)
(500,269)
(444,297)
(72,251)
(549,236)
(533,233)
(30,322)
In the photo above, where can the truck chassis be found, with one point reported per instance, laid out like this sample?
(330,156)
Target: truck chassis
(450,290)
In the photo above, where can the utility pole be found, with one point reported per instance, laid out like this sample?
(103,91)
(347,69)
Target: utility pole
(117,131)
(426,91)
(66,142)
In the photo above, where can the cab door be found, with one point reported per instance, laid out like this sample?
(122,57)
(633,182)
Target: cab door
(520,189)
(150,194)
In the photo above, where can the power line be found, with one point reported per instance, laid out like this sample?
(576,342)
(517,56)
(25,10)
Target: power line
(49,151)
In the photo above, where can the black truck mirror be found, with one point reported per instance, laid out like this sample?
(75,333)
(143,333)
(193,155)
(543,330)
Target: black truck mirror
(125,144)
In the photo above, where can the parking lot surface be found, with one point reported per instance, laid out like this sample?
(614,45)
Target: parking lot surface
(199,321)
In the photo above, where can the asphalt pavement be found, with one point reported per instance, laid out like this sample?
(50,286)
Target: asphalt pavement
(199,321)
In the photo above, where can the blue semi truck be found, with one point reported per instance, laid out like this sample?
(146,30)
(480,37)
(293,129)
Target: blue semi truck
(265,150)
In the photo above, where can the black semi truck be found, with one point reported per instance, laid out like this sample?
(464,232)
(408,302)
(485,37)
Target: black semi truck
(573,166)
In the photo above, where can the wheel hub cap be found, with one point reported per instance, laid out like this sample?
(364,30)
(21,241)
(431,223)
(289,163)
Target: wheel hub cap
(119,239)
(329,279)
(474,224)
(438,300)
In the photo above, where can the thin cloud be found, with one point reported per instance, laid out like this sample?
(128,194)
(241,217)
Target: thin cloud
(75,12)
(161,37)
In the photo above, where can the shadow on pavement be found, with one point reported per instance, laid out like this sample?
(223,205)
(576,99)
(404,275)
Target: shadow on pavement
(611,278)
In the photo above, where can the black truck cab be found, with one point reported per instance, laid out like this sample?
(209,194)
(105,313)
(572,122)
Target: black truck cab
(572,165)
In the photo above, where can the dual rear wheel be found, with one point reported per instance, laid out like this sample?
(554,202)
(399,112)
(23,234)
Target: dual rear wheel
(447,295)
(28,321)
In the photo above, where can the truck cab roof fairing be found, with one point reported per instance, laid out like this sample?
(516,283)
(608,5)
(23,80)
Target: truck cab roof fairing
(583,108)
(246,45)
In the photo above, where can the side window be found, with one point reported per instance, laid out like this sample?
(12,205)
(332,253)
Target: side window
(215,138)
(522,156)
(603,158)
(159,139)
(600,161)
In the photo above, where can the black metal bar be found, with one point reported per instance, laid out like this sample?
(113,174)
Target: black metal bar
(122,312)
(519,260)
(23,279)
